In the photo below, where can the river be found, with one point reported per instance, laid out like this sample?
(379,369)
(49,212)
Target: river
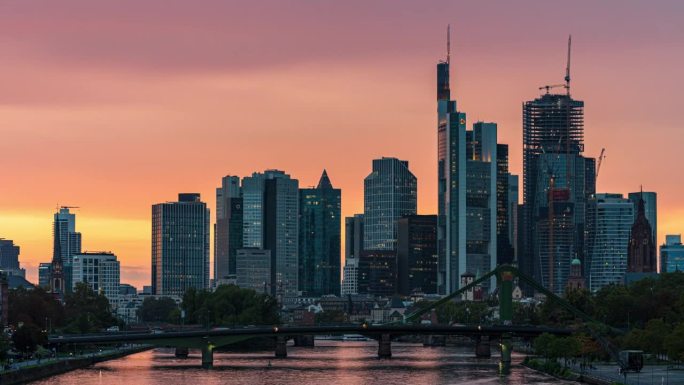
(329,363)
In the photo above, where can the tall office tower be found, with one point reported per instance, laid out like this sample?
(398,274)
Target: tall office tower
(417,254)
(672,254)
(609,222)
(180,245)
(467,190)
(642,250)
(271,222)
(353,240)
(650,209)
(557,180)
(9,255)
(504,248)
(319,238)
(513,186)
(67,240)
(389,192)
(101,271)
(228,227)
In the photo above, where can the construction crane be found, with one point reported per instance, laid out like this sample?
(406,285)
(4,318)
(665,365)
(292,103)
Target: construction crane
(600,160)
(566,85)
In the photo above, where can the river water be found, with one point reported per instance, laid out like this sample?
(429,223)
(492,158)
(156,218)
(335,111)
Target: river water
(329,363)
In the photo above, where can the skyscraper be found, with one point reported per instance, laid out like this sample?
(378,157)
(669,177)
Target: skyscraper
(353,238)
(609,221)
(389,192)
(513,186)
(66,244)
(504,248)
(228,227)
(557,180)
(320,237)
(467,175)
(180,245)
(67,240)
(417,254)
(271,222)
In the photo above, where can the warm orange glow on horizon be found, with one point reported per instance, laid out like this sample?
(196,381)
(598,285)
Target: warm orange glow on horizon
(113,110)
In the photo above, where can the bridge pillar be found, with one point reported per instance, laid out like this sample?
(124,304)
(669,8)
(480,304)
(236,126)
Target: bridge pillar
(281,347)
(483,349)
(385,346)
(506,348)
(207,357)
(181,352)
(304,340)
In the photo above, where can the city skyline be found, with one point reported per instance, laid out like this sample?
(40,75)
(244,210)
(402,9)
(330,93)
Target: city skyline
(103,129)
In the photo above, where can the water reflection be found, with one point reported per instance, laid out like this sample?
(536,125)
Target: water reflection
(329,363)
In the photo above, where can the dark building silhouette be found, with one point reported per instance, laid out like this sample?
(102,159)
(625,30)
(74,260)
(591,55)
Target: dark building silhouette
(642,250)
(378,272)
(504,245)
(9,255)
(417,254)
(319,239)
(228,227)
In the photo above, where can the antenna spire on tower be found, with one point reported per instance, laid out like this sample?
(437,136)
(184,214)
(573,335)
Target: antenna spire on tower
(567,68)
(448,43)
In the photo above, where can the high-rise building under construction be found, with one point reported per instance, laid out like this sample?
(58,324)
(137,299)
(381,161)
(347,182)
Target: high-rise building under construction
(556,183)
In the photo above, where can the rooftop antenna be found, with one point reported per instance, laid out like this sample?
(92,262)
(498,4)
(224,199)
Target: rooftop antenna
(448,43)
(567,68)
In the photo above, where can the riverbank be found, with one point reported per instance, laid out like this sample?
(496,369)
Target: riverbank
(564,373)
(51,367)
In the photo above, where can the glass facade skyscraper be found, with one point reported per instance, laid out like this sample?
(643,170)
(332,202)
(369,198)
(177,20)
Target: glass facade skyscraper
(228,227)
(271,222)
(609,222)
(319,240)
(389,192)
(180,245)
(417,254)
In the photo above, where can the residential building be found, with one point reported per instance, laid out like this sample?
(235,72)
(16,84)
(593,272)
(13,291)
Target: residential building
(672,254)
(389,192)
(271,222)
(253,270)
(101,271)
(417,254)
(609,222)
(180,245)
(319,238)
(228,227)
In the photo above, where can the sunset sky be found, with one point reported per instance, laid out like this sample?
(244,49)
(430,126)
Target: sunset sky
(113,106)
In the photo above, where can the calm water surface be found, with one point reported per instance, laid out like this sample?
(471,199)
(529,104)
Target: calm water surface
(329,363)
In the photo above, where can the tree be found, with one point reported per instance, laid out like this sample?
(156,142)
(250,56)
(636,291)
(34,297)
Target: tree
(674,344)
(543,345)
(230,305)
(35,307)
(158,310)
(27,338)
(87,311)
(4,346)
